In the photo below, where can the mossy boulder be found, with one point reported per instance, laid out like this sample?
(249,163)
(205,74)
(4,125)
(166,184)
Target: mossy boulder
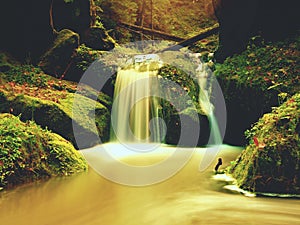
(82,58)
(56,60)
(28,153)
(179,86)
(50,104)
(252,81)
(58,116)
(97,38)
(270,163)
(27,26)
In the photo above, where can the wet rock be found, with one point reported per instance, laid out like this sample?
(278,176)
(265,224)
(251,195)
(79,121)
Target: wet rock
(185,122)
(270,162)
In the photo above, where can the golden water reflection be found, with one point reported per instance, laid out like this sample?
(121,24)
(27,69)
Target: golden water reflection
(188,198)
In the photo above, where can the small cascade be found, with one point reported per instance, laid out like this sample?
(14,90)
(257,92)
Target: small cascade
(205,81)
(135,109)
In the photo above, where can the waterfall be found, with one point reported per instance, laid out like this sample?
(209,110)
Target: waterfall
(205,81)
(135,109)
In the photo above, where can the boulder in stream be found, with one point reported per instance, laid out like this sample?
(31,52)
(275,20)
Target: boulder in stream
(271,161)
(29,153)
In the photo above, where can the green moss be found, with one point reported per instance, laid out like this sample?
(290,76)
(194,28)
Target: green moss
(85,56)
(28,152)
(271,161)
(257,80)
(267,67)
(55,61)
(58,116)
(205,46)
(186,83)
(27,75)
(50,105)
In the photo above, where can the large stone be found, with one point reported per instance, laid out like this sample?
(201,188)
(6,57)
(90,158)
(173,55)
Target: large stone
(32,153)
(270,163)
(185,121)
(55,61)
(59,117)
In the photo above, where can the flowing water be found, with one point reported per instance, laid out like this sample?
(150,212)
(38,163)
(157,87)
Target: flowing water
(135,107)
(188,198)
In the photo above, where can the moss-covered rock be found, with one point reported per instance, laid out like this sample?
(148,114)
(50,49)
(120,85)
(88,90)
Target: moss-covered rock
(28,152)
(97,38)
(271,161)
(177,84)
(58,116)
(82,58)
(51,105)
(56,60)
(252,81)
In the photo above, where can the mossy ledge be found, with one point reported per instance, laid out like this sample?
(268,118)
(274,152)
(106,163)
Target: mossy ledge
(28,92)
(28,153)
(252,81)
(271,161)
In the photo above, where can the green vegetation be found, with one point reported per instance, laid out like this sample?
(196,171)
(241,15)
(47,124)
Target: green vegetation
(28,152)
(33,95)
(185,83)
(253,82)
(268,67)
(27,75)
(84,57)
(271,161)
(56,60)
(6,62)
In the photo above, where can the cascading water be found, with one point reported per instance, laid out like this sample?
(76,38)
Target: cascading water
(135,110)
(205,79)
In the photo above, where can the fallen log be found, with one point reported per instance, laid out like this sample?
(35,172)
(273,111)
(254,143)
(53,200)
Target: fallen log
(149,31)
(206,33)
